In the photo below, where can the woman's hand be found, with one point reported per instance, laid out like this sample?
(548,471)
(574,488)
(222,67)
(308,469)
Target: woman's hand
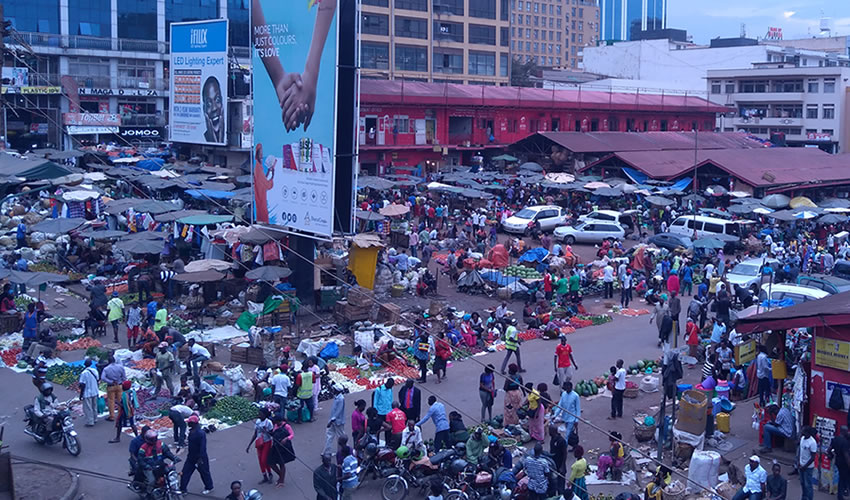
(300,101)
(290,80)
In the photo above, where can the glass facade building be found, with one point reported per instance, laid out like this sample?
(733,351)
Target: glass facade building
(619,18)
(35,16)
(137,19)
(89,17)
(178,11)
(237,14)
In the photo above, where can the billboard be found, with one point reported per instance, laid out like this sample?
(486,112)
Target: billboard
(198,104)
(295,93)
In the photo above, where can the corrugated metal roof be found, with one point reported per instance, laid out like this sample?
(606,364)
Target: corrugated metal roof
(831,310)
(607,142)
(451,94)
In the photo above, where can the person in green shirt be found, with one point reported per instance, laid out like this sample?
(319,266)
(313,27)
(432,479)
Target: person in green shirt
(475,446)
(160,320)
(563,287)
(575,285)
(115,308)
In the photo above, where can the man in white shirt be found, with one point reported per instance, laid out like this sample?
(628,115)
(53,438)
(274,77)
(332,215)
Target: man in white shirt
(411,437)
(808,451)
(709,271)
(619,389)
(89,392)
(756,479)
(281,385)
(198,354)
(608,279)
(502,311)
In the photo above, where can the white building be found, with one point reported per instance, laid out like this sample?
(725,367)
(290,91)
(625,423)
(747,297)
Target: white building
(806,104)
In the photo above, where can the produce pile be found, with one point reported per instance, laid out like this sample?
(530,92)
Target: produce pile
(48,267)
(65,375)
(10,356)
(233,410)
(22,301)
(590,387)
(182,325)
(645,366)
(145,364)
(530,334)
(81,343)
(582,321)
(633,312)
(60,324)
(522,272)
(149,405)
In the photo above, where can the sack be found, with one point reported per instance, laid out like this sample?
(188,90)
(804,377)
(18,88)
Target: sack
(836,399)
(556,381)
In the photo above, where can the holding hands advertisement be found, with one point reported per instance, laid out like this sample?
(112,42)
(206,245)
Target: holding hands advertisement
(295,85)
(198,104)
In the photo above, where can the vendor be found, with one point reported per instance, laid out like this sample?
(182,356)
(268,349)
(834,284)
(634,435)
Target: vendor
(387,353)
(7,301)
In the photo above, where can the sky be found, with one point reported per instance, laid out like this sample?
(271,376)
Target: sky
(723,18)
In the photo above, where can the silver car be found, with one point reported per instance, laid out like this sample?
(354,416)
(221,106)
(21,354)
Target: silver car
(590,232)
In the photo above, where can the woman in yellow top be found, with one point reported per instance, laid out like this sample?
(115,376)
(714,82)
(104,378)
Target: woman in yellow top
(578,485)
(614,457)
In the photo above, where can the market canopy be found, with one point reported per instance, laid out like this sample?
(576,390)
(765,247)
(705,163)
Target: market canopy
(139,246)
(201,194)
(504,157)
(709,243)
(173,216)
(200,276)
(35,278)
(104,234)
(776,201)
(368,215)
(830,310)
(139,205)
(259,235)
(58,226)
(834,203)
(832,219)
(801,201)
(203,220)
(374,183)
(531,166)
(394,210)
(32,169)
(207,265)
(268,273)
(659,201)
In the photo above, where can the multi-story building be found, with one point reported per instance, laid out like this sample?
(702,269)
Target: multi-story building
(455,41)
(584,29)
(114,55)
(803,105)
(621,18)
(552,32)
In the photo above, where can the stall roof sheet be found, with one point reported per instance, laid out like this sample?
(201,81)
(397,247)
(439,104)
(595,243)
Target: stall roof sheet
(831,310)
(606,142)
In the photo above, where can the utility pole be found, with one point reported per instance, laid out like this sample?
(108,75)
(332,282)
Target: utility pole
(4,28)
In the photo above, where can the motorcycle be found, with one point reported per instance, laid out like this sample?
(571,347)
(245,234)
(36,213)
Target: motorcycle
(62,430)
(420,474)
(166,485)
(377,461)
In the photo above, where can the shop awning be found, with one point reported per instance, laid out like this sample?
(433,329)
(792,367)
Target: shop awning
(832,310)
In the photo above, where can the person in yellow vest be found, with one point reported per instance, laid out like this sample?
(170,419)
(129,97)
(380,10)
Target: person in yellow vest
(422,353)
(304,389)
(512,346)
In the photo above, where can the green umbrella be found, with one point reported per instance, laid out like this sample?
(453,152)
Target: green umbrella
(505,157)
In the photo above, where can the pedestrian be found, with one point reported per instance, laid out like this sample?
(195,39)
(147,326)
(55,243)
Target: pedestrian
(114,376)
(437,414)
(578,471)
(411,438)
(537,417)
(262,441)
(115,308)
(568,409)
(336,420)
(692,338)
(165,370)
(134,321)
(608,281)
(512,346)
(675,306)
(382,398)
(442,355)
(665,329)
(30,329)
(196,457)
(807,454)
(840,450)
(178,415)
(358,423)
(659,311)
(487,390)
(563,287)
(626,288)
(198,354)
(160,320)
(349,480)
(89,392)
(619,389)
(410,400)
(565,363)
(558,453)
(777,486)
(513,395)
(394,426)
(763,374)
(536,467)
(282,451)
(313,363)
(755,485)
(126,411)
(21,234)
(281,384)
(422,352)
(325,479)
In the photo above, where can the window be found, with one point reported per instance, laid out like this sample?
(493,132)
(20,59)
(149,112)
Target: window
(811,111)
(788,86)
(829,85)
(520,5)
(528,32)
(136,73)
(811,131)
(137,19)
(503,64)
(558,10)
(188,10)
(573,10)
(536,34)
(528,6)
(485,35)
(129,107)
(730,87)
(813,86)
(694,224)
(38,16)
(580,13)
(828,131)
(503,37)
(377,3)
(401,123)
(753,86)
(376,24)
(89,17)
(558,36)
(448,61)
(238,25)
(485,9)
(573,37)
(828,111)
(519,20)
(536,21)
(452,7)
(374,55)
(420,5)
(558,24)
(536,7)
(503,10)
(411,28)
(409,58)
(786,111)
(527,48)
(580,38)
(536,47)
(448,31)
(90,71)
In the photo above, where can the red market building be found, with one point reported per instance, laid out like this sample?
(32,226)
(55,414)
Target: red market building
(409,124)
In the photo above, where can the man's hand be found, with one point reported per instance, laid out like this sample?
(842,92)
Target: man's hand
(281,89)
(300,102)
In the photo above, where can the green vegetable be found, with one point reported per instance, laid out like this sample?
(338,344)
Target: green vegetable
(233,410)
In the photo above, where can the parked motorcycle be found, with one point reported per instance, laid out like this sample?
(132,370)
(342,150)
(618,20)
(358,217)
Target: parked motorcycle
(62,430)
(166,485)
(421,474)
(377,462)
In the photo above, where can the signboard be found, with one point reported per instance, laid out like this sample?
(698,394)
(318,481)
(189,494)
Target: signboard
(91,129)
(121,92)
(818,136)
(773,33)
(198,104)
(832,353)
(18,77)
(92,119)
(826,430)
(38,128)
(141,132)
(32,90)
(745,352)
(295,119)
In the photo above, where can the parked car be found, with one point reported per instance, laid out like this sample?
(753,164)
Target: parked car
(672,241)
(798,294)
(841,269)
(589,232)
(707,227)
(546,217)
(623,218)
(749,273)
(825,282)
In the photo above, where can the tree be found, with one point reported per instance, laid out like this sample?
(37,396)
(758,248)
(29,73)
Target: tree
(522,72)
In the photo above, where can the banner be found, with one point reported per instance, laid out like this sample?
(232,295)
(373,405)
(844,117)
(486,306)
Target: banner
(832,353)
(295,93)
(92,119)
(198,104)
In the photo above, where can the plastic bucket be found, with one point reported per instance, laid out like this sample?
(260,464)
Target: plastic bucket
(681,388)
(722,422)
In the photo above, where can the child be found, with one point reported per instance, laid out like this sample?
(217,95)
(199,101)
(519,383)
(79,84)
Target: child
(134,321)
(126,411)
(533,396)
(612,378)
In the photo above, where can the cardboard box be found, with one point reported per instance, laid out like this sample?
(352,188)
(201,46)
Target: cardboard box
(691,417)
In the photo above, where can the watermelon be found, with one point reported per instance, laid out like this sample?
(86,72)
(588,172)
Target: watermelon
(595,390)
(634,372)
(641,364)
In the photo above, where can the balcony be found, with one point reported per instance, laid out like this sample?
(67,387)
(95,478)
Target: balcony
(120,82)
(769,97)
(87,42)
(768,122)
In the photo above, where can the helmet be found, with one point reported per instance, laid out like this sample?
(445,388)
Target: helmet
(403,452)
(457,466)
(371,448)
(46,389)
(151,436)
(267,391)
(460,448)
(254,495)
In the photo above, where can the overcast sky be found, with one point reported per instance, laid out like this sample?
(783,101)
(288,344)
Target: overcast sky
(797,18)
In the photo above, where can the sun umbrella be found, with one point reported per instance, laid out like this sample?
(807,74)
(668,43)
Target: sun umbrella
(628,188)
(374,183)
(35,278)
(58,226)
(837,210)
(575,186)
(805,215)
(832,219)
(106,234)
(711,243)
(143,235)
(607,191)
(762,210)
(200,276)
(716,190)
(560,177)
(738,194)
(783,215)
(741,209)
(801,201)
(268,273)
(394,210)
(531,166)
(207,264)
(776,201)
(368,215)
(643,192)
(834,203)
(504,158)
(659,200)
(747,199)
(139,246)
(173,216)
(589,178)
(596,185)
(694,197)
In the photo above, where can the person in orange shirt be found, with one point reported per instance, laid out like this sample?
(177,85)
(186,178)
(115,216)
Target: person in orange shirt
(692,338)
(263,183)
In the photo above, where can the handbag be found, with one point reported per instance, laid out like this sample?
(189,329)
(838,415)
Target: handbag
(573,440)
(556,381)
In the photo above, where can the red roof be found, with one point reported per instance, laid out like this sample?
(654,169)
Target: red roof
(452,94)
(607,142)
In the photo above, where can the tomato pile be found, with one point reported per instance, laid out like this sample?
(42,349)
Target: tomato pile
(633,312)
(529,334)
(81,343)
(577,322)
(10,356)
(400,368)
(145,364)
(349,371)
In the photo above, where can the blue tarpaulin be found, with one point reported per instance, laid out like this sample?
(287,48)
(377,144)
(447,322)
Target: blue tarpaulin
(681,184)
(151,164)
(777,304)
(534,255)
(499,278)
(635,175)
(209,193)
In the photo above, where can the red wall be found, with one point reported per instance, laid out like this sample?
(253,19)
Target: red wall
(819,396)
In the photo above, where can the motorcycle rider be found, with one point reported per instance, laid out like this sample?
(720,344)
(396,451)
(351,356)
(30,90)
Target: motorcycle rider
(44,407)
(151,457)
(135,444)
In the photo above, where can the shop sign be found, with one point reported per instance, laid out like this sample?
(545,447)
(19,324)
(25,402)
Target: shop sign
(32,90)
(91,129)
(92,119)
(818,136)
(38,128)
(120,92)
(141,132)
(745,352)
(832,353)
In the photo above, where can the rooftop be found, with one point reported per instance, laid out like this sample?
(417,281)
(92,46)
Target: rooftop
(609,142)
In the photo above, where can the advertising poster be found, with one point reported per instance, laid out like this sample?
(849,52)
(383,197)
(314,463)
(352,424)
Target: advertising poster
(832,353)
(198,104)
(295,86)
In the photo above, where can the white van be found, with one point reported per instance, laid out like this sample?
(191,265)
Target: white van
(707,227)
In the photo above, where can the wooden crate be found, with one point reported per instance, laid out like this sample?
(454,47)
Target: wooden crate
(388,313)
(238,354)
(345,312)
(254,356)
(360,297)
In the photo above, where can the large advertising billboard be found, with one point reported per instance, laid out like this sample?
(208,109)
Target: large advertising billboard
(198,104)
(295,93)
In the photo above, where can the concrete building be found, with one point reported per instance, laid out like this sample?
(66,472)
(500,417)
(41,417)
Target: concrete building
(806,105)
(621,18)
(832,44)
(114,54)
(583,29)
(455,41)
(540,32)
